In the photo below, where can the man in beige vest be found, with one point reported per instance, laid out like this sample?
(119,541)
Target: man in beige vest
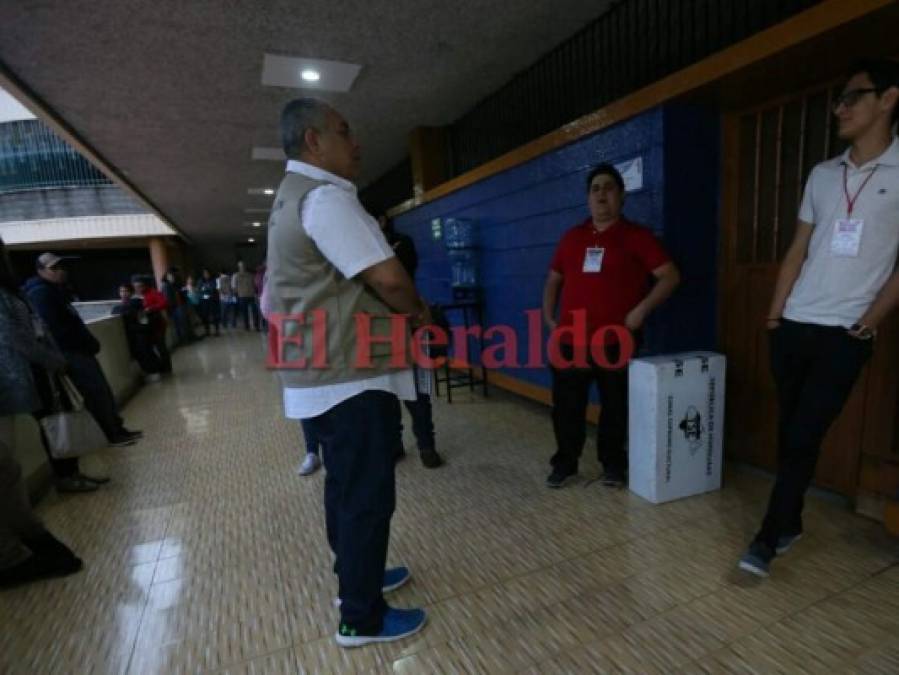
(327,257)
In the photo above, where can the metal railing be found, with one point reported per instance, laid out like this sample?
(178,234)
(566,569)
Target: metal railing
(32,157)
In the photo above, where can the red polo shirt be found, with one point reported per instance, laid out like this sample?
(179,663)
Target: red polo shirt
(629,255)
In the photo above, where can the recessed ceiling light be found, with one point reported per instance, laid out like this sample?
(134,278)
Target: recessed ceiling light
(251,240)
(297,73)
(268,191)
(257,224)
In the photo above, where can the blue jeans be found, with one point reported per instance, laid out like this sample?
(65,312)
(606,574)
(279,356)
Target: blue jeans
(358,437)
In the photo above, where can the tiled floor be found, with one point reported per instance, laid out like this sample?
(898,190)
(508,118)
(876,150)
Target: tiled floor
(207,554)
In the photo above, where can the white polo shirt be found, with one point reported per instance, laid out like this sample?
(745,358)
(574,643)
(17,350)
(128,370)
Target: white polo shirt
(352,241)
(836,290)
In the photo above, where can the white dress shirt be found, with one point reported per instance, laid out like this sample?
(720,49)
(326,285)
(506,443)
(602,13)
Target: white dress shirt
(352,241)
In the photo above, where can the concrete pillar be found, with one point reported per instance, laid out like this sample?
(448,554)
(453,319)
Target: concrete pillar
(159,256)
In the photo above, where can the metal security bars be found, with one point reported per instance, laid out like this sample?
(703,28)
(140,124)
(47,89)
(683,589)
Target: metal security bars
(633,44)
(32,158)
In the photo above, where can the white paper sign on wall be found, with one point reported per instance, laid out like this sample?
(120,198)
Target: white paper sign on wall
(632,173)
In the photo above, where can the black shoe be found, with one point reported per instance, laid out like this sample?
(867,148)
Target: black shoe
(559,477)
(430,458)
(121,439)
(399,453)
(614,478)
(38,567)
(48,546)
(137,433)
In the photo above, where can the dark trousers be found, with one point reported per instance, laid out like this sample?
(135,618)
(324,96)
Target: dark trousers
(181,319)
(422,421)
(247,306)
(358,437)
(228,313)
(88,377)
(141,344)
(571,391)
(162,353)
(311,440)
(814,368)
(210,314)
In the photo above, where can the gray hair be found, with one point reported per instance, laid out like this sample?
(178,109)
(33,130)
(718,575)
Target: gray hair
(298,116)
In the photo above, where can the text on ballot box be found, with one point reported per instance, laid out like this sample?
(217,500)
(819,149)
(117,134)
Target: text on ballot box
(676,425)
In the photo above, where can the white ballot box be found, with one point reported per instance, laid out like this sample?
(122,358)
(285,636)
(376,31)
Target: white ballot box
(676,425)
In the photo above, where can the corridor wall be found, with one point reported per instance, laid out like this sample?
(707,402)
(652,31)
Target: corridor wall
(522,212)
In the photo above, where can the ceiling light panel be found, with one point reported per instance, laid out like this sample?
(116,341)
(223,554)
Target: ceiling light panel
(298,73)
(271,154)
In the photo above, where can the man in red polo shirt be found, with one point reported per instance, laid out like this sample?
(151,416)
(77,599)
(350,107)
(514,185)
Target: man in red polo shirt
(603,268)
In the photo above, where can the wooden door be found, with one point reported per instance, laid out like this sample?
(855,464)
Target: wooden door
(768,153)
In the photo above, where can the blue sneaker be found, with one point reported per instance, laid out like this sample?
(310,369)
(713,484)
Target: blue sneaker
(395,577)
(398,624)
(785,542)
(757,560)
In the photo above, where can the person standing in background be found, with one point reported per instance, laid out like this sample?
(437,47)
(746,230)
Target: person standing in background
(155,306)
(47,294)
(244,285)
(210,311)
(420,409)
(601,268)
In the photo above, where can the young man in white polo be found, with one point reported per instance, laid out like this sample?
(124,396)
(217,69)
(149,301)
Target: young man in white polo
(837,283)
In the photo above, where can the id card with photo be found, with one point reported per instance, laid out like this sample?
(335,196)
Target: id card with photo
(847,237)
(593,260)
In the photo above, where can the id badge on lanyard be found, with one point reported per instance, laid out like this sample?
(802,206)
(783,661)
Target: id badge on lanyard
(846,240)
(593,259)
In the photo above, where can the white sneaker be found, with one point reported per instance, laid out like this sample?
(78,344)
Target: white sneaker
(310,464)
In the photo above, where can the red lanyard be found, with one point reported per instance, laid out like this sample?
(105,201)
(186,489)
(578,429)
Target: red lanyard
(850,201)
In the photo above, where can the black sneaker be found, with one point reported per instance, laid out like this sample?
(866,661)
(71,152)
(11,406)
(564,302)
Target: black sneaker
(614,478)
(137,433)
(120,440)
(399,453)
(559,477)
(430,458)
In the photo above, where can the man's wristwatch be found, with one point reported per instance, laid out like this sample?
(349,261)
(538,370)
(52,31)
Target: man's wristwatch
(861,331)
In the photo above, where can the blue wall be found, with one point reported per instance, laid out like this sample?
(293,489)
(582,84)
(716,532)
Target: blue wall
(522,213)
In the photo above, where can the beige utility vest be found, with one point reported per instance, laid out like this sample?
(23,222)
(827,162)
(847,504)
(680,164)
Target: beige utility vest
(301,280)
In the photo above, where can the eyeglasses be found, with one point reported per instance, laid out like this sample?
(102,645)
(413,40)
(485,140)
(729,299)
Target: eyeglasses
(853,96)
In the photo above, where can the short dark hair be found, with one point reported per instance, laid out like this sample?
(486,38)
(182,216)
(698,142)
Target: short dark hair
(883,74)
(128,285)
(607,170)
(298,116)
